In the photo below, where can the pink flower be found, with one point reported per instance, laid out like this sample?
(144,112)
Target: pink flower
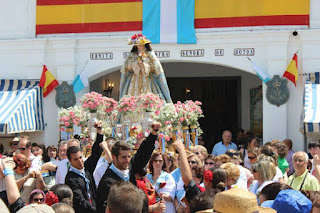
(157,112)
(72,114)
(67,124)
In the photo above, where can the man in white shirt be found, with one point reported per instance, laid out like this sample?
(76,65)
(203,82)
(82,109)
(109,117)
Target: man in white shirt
(24,147)
(104,161)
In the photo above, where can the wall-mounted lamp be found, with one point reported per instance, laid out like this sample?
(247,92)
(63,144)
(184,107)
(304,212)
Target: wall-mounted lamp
(108,87)
(187,91)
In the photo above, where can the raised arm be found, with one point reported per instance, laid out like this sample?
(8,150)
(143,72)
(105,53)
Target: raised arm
(91,162)
(141,158)
(11,186)
(49,166)
(107,155)
(189,185)
(186,174)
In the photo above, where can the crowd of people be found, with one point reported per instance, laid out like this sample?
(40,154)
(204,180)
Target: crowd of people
(241,176)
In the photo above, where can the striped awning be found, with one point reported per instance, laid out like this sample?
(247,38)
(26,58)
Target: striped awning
(20,106)
(312,107)
(313,78)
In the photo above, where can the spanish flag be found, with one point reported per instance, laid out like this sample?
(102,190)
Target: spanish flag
(291,72)
(47,81)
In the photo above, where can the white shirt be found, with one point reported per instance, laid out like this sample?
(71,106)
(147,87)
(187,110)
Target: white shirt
(256,188)
(100,170)
(36,163)
(243,180)
(246,161)
(278,175)
(101,160)
(62,171)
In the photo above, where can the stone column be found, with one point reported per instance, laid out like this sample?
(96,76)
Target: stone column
(274,117)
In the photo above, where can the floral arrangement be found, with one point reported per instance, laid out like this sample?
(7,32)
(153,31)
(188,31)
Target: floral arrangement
(167,116)
(73,116)
(131,141)
(182,111)
(165,135)
(127,104)
(109,106)
(189,112)
(208,175)
(194,112)
(92,101)
(149,102)
(51,198)
(108,110)
(106,130)
(136,132)
(199,132)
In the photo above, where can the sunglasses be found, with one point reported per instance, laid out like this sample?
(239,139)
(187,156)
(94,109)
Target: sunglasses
(14,144)
(208,163)
(197,153)
(37,199)
(192,162)
(22,148)
(298,160)
(251,158)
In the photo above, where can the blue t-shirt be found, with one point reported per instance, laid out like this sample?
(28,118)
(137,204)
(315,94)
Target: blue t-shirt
(220,148)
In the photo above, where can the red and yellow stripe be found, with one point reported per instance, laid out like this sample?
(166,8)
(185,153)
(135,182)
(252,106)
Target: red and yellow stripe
(82,16)
(47,81)
(291,72)
(235,13)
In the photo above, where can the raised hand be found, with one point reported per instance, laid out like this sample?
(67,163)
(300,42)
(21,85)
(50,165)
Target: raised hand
(178,145)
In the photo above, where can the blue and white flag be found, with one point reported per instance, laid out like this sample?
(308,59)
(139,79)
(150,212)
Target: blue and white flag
(169,21)
(262,75)
(80,82)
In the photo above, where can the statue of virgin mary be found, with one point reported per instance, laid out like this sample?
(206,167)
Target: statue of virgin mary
(142,72)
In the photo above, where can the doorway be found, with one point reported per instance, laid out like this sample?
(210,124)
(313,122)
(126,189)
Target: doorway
(221,103)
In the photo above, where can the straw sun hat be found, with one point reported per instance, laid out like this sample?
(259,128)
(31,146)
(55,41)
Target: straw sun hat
(138,39)
(238,200)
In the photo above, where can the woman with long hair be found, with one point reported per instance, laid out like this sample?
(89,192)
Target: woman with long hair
(162,181)
(250,143)
(263,172)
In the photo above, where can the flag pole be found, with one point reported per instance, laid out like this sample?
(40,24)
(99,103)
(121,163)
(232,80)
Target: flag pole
(84,66)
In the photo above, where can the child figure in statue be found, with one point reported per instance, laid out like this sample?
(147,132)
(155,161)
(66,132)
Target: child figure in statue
(142,72)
